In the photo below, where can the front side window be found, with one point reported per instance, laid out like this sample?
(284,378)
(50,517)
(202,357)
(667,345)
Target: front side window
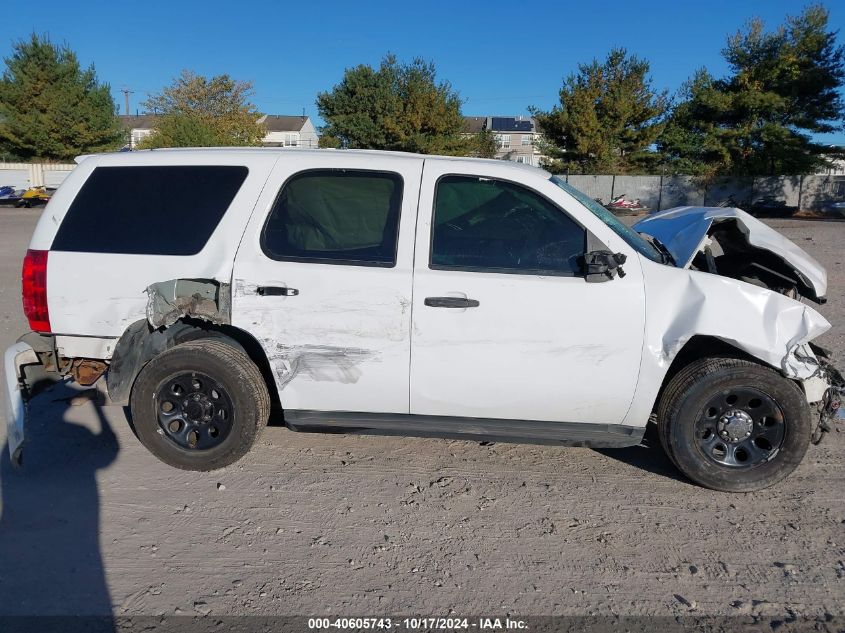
(489,225)
(336,216)
(162,210)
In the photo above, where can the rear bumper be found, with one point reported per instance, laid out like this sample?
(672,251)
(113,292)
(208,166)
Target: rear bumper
(16,357)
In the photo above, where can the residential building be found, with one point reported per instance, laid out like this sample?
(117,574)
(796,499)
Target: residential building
(516,136)
(837,163)
(138,127)
(282,130)
(289,131)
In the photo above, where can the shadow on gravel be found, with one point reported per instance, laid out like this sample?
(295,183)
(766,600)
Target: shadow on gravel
(649,456)
(50,560)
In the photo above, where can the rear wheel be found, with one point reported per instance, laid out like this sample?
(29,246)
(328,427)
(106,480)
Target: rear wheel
(733,425)
(199,405)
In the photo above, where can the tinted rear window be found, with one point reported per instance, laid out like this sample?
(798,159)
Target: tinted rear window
(149,210)
(336,216)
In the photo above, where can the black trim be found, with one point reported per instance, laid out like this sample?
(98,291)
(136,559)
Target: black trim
(522,431)
(501,271)
(326,260)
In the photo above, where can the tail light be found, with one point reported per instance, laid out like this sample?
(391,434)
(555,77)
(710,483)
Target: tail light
(34,283)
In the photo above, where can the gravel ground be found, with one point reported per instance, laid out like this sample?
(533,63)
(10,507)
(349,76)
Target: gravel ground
(344,525)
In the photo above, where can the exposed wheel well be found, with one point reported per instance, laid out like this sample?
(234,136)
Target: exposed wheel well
(140,344)
(697,348)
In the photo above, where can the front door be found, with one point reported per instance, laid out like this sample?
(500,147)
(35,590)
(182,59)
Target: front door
(504,324)
(323,280)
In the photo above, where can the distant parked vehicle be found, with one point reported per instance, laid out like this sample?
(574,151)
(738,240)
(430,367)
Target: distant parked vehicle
(768,207)
(621,206)
(835,208)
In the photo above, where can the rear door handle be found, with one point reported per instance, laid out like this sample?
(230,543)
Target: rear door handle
(451,302)
(277,291)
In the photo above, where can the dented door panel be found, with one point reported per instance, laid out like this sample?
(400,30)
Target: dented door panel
(337,336)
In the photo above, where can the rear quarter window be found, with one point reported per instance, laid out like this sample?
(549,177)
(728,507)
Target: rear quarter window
(170,210)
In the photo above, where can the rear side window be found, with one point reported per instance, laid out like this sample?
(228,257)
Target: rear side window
(336,217)
(149,210)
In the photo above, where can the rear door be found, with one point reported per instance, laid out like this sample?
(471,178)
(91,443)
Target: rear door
(323,280)
(504,324)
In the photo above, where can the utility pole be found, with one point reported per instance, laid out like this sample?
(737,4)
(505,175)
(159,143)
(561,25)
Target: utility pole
(126,92)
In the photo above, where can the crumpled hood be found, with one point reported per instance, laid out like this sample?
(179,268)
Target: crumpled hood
(683,231)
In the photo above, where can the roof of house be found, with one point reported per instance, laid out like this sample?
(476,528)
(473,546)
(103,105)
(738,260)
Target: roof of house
(283,122)
(138,121)
(474,124)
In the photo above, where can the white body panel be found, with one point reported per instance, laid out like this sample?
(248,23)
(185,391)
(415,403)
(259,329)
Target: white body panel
(537,347)
(343,343)
(95,294)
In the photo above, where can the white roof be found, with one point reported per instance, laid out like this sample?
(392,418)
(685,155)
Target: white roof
(364,154)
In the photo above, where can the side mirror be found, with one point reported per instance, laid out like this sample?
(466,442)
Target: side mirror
(603,266)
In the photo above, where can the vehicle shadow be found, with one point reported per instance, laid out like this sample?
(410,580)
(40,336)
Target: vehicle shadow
(50,559)
(648,456)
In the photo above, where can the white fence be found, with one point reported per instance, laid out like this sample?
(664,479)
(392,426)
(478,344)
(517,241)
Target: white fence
(24,175)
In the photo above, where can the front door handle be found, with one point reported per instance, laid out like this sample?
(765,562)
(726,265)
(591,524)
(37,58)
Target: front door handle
(277,291)
(451,302)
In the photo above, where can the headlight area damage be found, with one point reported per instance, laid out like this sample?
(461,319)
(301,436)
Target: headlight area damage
(720,248)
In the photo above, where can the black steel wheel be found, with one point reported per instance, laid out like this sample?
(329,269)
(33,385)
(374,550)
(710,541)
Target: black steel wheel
(200,405)
(734,425)
(194,410)
(741,427)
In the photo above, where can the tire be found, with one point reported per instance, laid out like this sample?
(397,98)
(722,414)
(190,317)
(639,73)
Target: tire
(199,405)
(705,435)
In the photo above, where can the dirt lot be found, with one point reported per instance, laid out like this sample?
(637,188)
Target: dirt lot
(342,525)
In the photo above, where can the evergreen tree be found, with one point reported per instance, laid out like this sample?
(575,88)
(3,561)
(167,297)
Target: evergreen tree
(51,108)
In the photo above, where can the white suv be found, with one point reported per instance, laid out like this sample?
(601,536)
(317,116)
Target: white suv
(390,292)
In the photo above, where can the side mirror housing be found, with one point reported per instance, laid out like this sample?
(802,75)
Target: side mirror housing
(603,265)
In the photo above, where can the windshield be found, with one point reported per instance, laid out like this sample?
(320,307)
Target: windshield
(631,237)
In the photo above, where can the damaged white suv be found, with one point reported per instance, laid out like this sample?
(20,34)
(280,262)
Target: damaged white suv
(388,292)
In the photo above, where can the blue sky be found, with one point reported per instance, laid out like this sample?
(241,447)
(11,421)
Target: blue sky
(501,56)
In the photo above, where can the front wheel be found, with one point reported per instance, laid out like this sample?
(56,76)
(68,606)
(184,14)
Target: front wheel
(733,425)
(199,405)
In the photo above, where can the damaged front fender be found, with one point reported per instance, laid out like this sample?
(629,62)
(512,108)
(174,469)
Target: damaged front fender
(682,304)
(767,325)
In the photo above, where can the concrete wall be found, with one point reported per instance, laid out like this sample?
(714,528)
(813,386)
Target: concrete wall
(809,193)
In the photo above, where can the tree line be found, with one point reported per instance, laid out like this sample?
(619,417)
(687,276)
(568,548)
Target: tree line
(782,88)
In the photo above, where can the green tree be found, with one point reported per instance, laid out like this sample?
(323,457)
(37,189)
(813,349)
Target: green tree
(783,88)
(197,111)
(608,118)
(396,107)
(51,108)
